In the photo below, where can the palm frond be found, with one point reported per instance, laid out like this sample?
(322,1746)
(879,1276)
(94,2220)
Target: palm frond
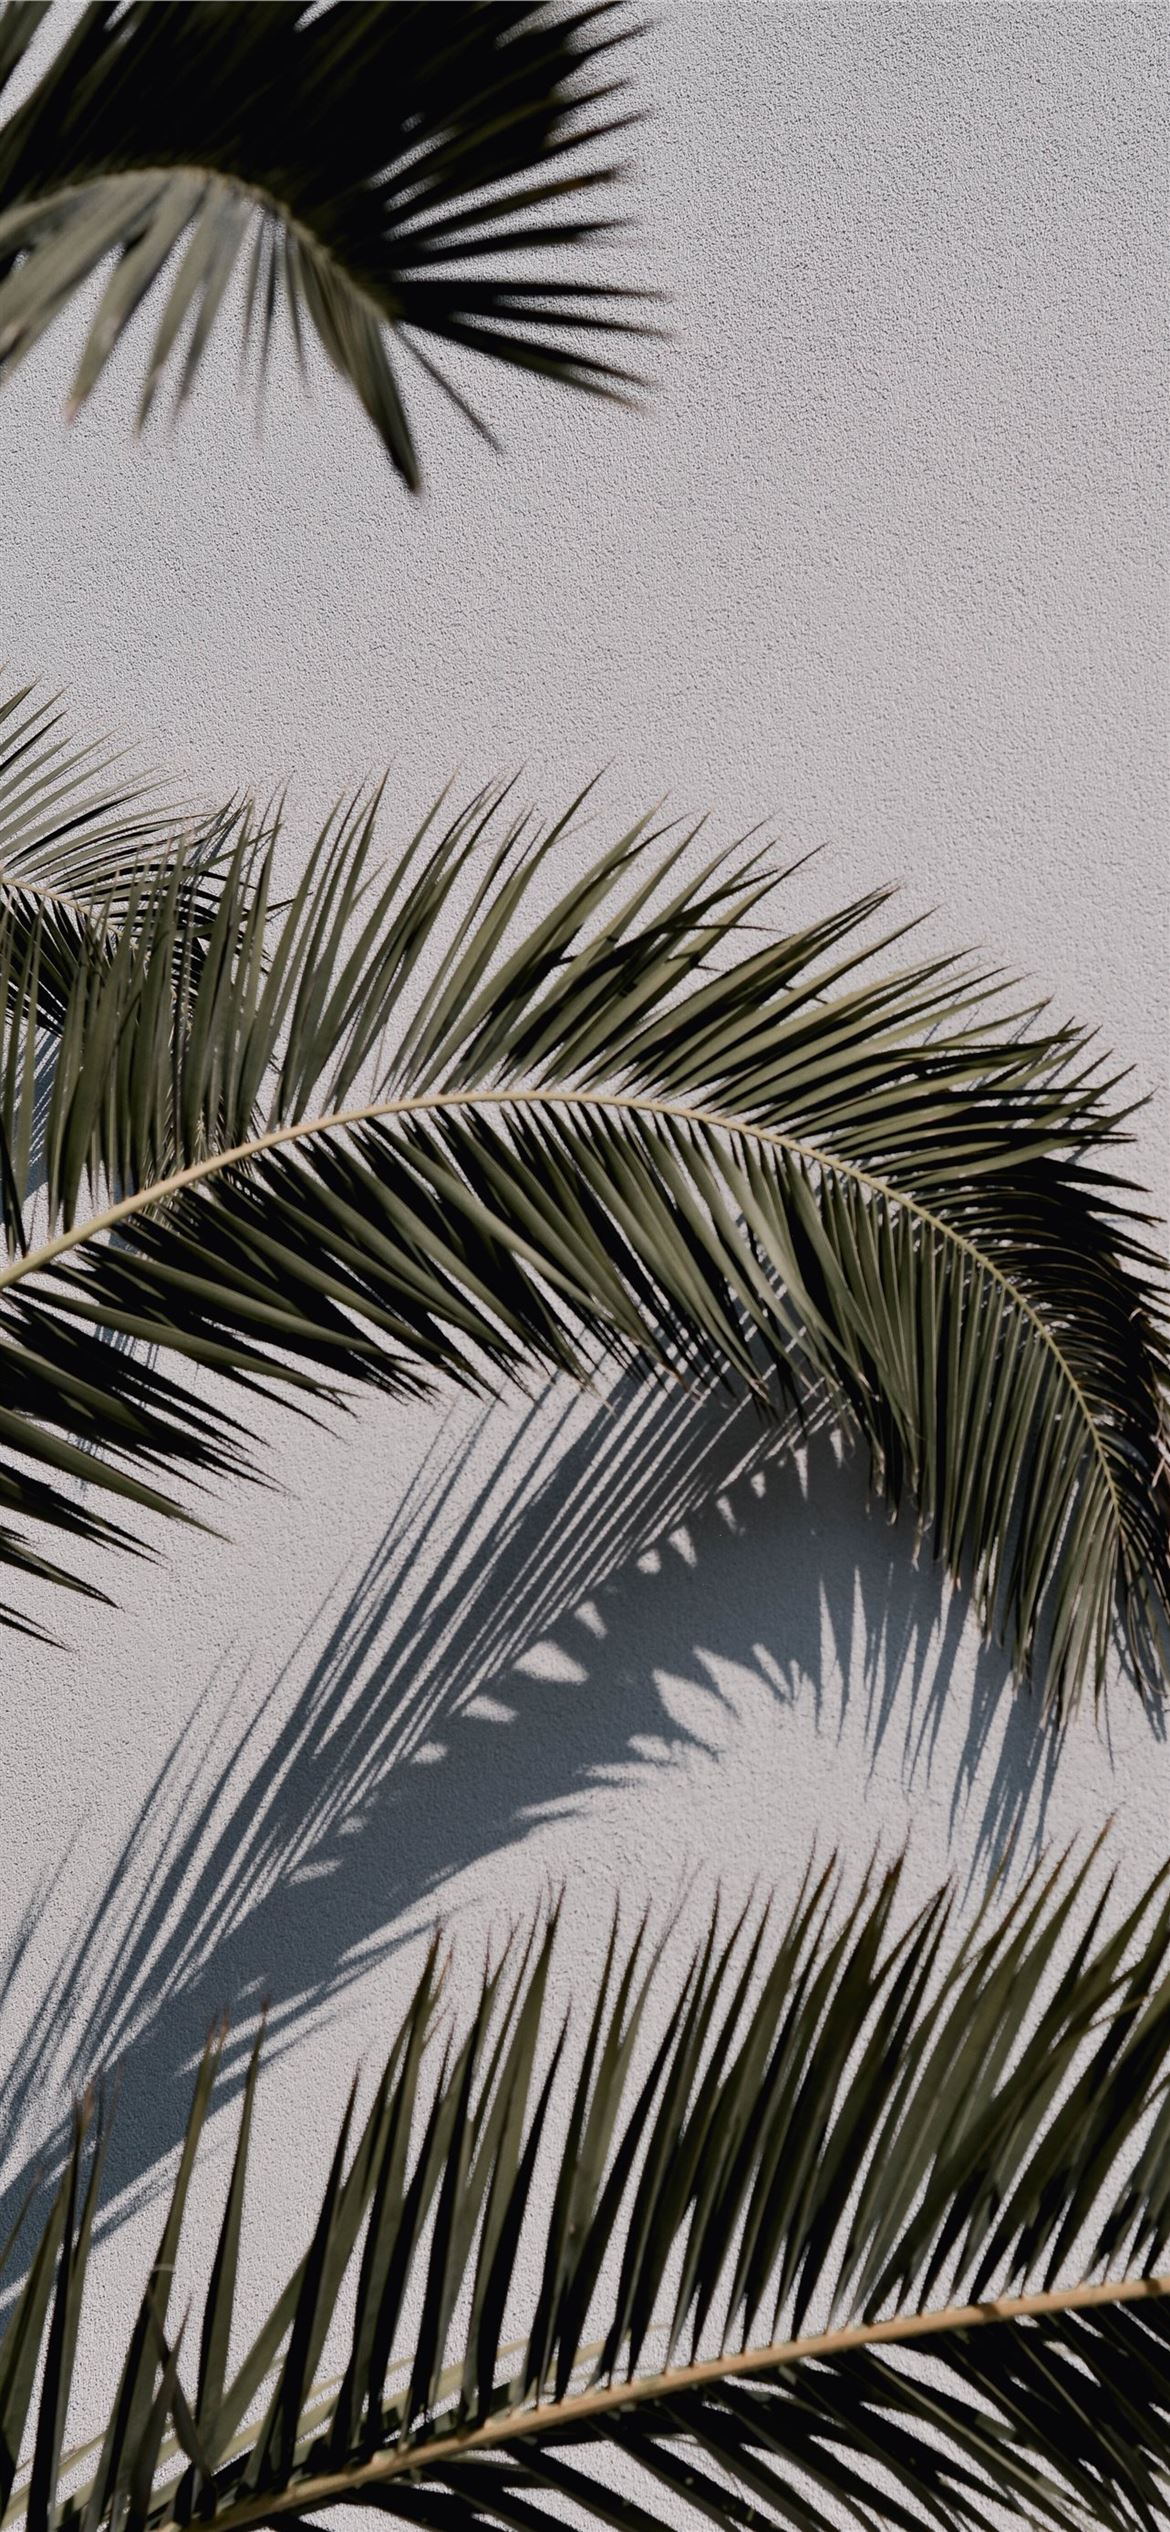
(83,844)
(860,2216)
(94,871)
(69,832)
(393,174)
(403,1130)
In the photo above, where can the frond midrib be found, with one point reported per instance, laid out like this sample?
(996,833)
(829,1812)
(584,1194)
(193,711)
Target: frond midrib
(710,1120)
(511,2426)
(70,900)
(261,196)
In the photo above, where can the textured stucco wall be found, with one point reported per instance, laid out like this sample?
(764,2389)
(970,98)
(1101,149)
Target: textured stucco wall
(886,568)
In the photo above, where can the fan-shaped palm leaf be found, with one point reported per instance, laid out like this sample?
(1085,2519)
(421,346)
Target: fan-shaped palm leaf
(403,1129)
(387,173)
(856,2218)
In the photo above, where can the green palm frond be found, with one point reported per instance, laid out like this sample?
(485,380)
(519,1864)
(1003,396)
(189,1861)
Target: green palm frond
(861,2216)
(405,1129)
(83,843)
(388,175)
(92,866)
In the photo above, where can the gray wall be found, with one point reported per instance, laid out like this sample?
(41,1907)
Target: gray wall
(886,568)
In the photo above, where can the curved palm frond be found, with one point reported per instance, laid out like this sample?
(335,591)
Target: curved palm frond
(87,861)
(387,174)
(403,1130)
(83,842)
(860,2217)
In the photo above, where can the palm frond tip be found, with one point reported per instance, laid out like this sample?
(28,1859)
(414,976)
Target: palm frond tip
(858,2215)
(384,177)
(402,1128)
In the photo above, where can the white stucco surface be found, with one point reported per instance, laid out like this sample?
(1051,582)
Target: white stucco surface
(886,568)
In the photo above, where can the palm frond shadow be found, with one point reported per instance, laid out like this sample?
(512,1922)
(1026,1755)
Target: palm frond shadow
(604,1547)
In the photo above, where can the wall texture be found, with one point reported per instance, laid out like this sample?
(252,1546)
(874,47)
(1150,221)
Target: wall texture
(886,567)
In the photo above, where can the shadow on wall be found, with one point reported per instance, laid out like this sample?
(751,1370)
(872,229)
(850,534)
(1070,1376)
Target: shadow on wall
(503,1652)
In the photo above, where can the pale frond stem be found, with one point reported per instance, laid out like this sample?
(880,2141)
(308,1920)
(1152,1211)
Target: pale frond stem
(607,1103)
(606,2400)
(385,311)
(261,196)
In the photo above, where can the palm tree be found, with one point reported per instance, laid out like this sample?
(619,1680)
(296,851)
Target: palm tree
(857,2217)
(433,1120)
(391,179)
